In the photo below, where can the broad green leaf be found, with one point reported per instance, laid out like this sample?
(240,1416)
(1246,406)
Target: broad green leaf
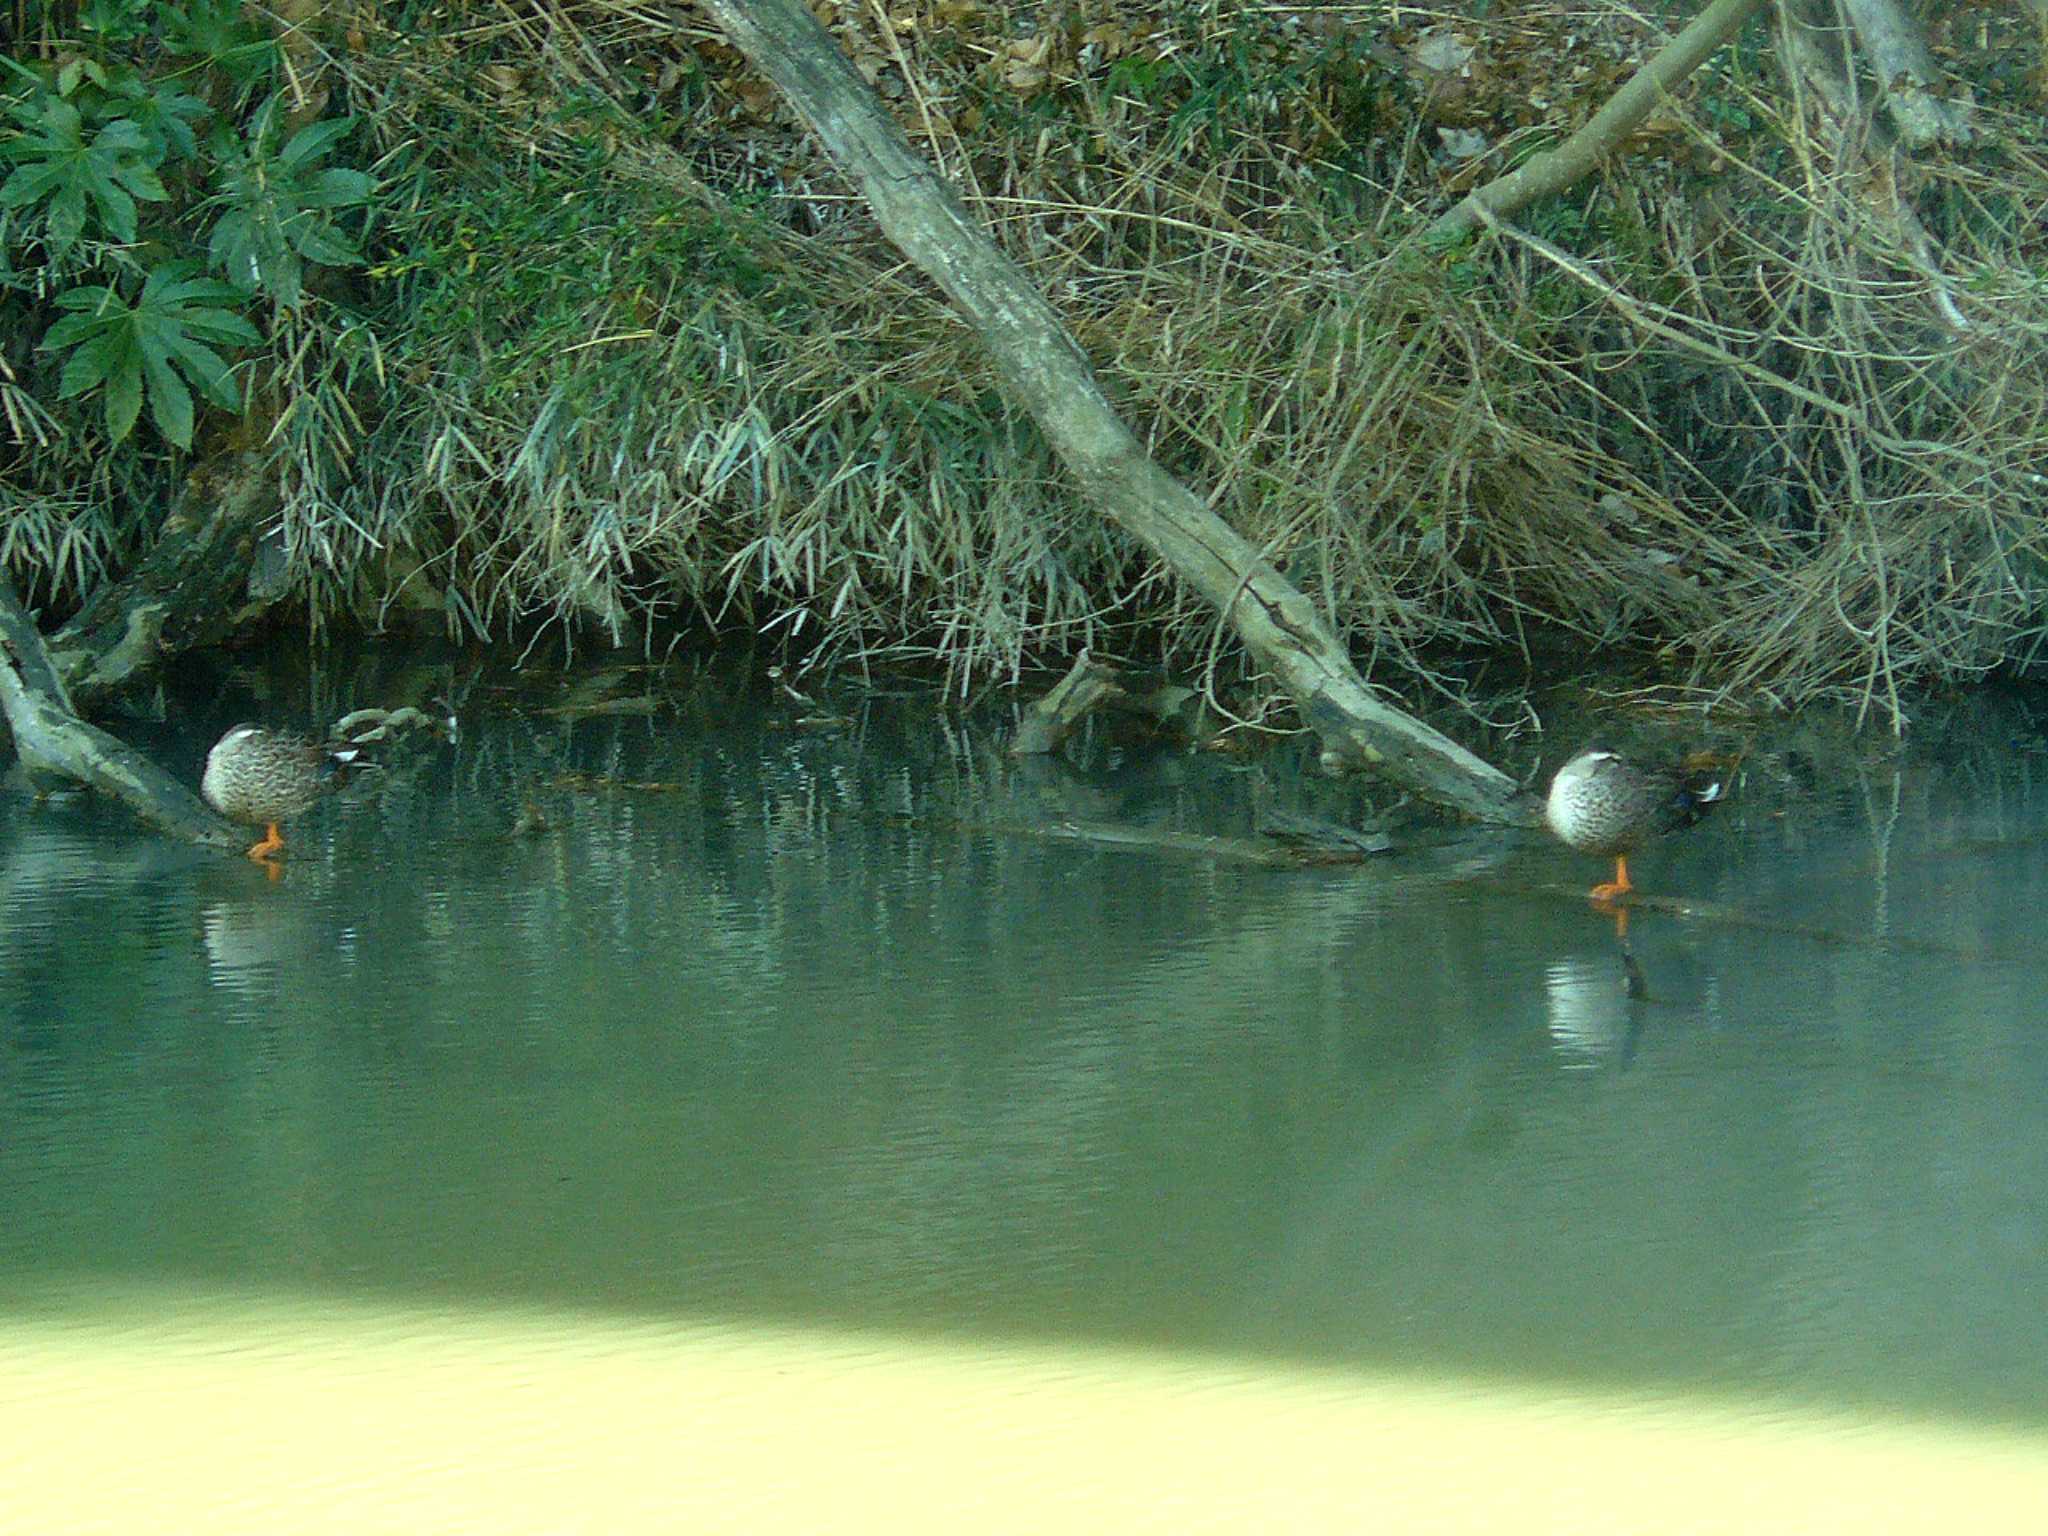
(329,247)
(110,173)
(144,183)
(116,207)
(90,297)
(124,397)
(339,189)
(170,402)
(205,368)
(165,115)
(83,370)
(276,205)
(219,34)
(155,348)
(66,219)
(312,142)
(29,184)
(68,332)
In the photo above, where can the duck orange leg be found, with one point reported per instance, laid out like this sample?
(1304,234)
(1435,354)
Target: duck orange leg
(1620,885)
(266,850)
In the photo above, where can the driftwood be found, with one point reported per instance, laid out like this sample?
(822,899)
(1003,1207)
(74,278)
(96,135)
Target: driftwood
(1908,80)
(1050,720)
(1048,374)
(1319,840)
(50,738)
(202,578)
(1115,837)
(1091,685)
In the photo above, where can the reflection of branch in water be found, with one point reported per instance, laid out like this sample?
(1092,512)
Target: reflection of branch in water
(1734,917)
(1632,981)
(1882,823)
(1590,1018)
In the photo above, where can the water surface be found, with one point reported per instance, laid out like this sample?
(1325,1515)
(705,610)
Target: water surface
(776,1023)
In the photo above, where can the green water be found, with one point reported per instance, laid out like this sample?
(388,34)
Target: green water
(780,1022)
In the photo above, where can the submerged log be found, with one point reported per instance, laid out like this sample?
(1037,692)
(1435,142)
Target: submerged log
(1051,720)
(1119,838)
(1090,686)
(50,738)
(1049,375)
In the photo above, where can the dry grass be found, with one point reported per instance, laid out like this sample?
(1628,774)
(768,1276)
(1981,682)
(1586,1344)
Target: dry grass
(634,355)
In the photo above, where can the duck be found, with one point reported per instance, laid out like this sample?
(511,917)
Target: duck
(1601,802)
(263,778)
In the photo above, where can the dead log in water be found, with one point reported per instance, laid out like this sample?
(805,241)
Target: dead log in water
(50,738)
(1048,374)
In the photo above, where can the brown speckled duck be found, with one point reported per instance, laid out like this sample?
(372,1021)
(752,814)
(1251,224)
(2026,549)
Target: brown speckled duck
(264,777)
(1602,803)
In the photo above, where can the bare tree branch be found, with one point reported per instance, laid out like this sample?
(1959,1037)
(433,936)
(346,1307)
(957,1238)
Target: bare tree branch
(1907,76)
(1547,174)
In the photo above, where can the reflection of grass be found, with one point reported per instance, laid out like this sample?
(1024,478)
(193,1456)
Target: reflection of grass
(151,1412)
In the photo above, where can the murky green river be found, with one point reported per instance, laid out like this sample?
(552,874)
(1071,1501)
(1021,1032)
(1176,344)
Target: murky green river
(786,1023)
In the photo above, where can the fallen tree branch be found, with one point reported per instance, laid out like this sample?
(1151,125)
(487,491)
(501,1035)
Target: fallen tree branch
(1908,79)
(1551,172)
(1048,374)
(1118,838)
(50,738)
(1049,721)
(1817,60)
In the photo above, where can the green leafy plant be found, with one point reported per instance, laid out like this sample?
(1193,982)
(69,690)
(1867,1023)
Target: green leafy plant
(152,347)
(218,35)
(166,116)
(280,204)
(113,23)
(60,167)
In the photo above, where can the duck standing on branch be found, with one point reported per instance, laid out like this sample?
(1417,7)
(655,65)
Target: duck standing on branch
(1602,803)
(264,777)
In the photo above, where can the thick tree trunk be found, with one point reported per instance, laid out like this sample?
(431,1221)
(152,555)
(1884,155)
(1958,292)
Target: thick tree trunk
(1046,370)
(50,738)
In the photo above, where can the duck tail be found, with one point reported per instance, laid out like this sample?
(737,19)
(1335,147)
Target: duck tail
(1704,780)
(339,759)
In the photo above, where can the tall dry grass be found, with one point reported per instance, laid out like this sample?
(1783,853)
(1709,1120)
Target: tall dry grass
(631,355)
